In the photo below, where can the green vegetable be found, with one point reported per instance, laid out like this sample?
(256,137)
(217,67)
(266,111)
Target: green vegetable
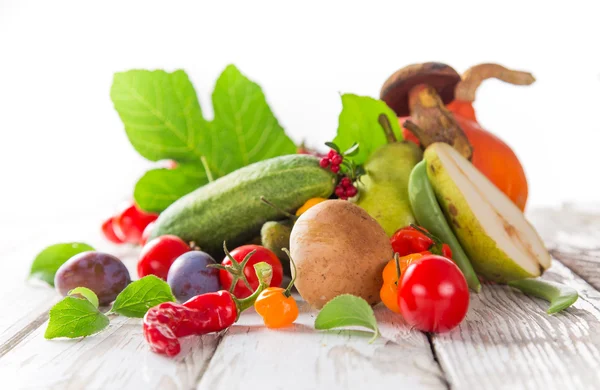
(141,295)
(87,294)
(559,295)
(429,215)
(359,123)
(275,235)
(75,317)
(163,120)
(347,310)
(48,261)
(230,208)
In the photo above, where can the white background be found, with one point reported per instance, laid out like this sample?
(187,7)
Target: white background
(63,148)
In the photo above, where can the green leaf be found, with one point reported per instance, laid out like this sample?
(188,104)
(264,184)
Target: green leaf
(352,151)
(244,127)
(85,293)
(161,113)
(158,188)
(347,310)
(141,295)
(358,123)
(75,317)
(163,120)
(48,261)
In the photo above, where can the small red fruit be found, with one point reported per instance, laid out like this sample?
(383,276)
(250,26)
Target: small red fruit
(158,255)
(324,162)
(346,182)
(109,231)
(146,233)
(341,192)
(332,153)
(351,191)
(131,222)
(335,168)
(336,160)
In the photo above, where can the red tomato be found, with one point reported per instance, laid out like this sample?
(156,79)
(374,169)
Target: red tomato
(262,254)
(158,255)
(130,223)
(109,231)
(433,294)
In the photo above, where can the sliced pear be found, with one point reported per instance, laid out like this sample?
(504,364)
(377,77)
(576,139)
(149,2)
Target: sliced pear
(500,242)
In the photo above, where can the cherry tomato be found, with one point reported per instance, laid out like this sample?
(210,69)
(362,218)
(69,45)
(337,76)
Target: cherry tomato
(241,290)
(433,294)
(146,233)
(408,240)
(109,231)
(391,272)
(131,222)
(158,255)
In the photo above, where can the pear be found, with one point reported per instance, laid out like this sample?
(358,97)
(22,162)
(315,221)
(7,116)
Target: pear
(383,189)
(501,243)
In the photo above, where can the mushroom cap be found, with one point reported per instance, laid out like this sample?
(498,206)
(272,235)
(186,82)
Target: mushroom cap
(397,87)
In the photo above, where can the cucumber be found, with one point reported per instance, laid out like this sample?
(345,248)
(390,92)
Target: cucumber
(229,209)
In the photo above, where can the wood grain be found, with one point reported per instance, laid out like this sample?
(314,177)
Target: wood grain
(573,237)
(301,358)
(508,341)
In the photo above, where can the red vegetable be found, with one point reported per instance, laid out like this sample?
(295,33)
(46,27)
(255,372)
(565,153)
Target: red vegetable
(212,312)
(236,271)
(130,223)
(158,255)
(415,239)
(433,294)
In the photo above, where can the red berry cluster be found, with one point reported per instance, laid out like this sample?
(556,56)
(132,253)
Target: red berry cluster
(345,189)
(333,159)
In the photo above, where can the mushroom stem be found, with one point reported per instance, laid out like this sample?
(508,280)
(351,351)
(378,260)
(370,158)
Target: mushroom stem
(474,76)
(387,128)
(433,122)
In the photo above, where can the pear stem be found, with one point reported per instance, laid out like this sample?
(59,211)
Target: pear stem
(387,128)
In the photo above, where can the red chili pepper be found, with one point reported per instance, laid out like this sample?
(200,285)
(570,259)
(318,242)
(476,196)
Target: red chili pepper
(202,314)
(415,239)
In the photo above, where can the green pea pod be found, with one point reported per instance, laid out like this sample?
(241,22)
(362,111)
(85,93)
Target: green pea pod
(429,215)
(559,295)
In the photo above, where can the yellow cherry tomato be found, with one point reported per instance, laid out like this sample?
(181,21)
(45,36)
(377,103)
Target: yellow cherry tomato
(309,203)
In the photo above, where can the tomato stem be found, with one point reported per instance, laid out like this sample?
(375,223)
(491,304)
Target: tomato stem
(272,205)
(397,261)
(264,273)
(236,269)
(288,290)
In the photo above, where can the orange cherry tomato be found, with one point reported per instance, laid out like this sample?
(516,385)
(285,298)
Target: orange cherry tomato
(276,308)
(389,289)
(308,204)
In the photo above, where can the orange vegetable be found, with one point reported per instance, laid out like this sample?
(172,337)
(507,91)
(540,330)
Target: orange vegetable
(308,204)
(391,275)
(276,305)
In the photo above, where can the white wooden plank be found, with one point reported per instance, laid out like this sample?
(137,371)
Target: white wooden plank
(508,341)
(117,358)
(299,357)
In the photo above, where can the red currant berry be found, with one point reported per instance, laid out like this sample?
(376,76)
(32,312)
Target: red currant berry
(324,162)
(337,159)
(351,191)
(346,182)
(131,222)
(158,255)
(332,153)
(340,192)
(335,168)
(109,231)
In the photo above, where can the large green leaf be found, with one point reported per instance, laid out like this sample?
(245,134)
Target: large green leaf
(359,122)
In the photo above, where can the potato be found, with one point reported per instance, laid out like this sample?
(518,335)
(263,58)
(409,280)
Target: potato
(338,249)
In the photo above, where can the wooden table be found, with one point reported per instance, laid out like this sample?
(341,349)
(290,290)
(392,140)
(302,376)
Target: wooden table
(506,342)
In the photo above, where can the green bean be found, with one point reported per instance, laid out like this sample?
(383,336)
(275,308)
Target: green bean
(559,295)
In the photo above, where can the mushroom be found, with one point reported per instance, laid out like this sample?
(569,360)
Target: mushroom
(474,76)
(422,91)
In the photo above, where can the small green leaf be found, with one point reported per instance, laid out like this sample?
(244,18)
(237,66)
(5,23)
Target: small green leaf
(141,295)
(347,310)
(48,261)
(87,294)
(352,150)
(359,122)
(158,188)
(75,317)
(333,146)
